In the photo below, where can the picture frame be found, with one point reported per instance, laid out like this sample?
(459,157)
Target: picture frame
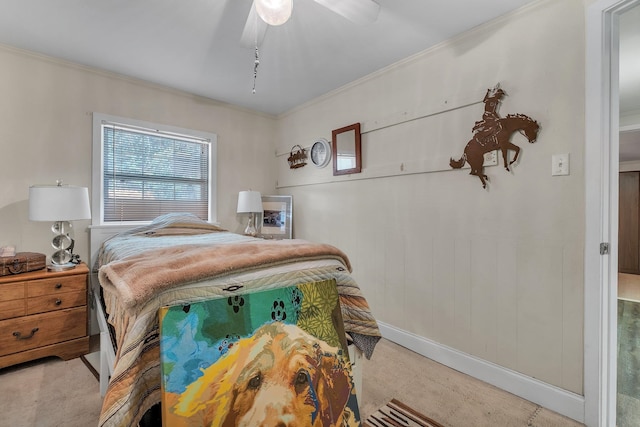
(346,145)
(277,217)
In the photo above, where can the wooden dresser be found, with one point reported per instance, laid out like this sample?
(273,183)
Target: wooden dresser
(43,313)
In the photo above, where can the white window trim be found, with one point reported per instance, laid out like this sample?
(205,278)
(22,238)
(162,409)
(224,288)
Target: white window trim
(97,184)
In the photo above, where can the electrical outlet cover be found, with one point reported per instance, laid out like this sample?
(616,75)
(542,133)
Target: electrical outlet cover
(491,158)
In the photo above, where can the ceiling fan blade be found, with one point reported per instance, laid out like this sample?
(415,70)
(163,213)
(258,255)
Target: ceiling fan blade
(254,29)
(358,11)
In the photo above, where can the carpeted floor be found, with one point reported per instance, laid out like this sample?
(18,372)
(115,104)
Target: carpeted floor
(447,396)
(51,392)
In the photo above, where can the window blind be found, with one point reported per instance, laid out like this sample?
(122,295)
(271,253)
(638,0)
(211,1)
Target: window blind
(147,173)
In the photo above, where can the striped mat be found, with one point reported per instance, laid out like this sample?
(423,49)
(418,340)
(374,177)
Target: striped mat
(396,413)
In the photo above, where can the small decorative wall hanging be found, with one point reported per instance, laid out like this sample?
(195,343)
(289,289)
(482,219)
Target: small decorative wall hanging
(494,133)
(297,158)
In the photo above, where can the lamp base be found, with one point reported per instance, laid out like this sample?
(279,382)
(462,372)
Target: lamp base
(251,227)
(62,243)
(61,267)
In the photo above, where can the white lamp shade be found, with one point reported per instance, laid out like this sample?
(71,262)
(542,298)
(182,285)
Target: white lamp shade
(249,201)
(58,203)
(274,12)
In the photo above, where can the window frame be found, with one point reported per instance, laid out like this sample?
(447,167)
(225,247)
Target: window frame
(97,184)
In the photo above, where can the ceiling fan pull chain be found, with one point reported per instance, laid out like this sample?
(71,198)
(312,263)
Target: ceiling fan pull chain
(255,70)
(257,60)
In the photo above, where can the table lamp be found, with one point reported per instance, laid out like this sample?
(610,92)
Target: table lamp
(250,202)
(60,204)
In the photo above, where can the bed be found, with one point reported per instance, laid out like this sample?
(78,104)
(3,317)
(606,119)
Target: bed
(179,259)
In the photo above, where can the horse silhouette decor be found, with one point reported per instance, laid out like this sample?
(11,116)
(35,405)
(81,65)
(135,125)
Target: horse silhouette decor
(494,133)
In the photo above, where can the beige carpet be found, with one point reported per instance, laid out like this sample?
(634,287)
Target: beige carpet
(449,397)
(56,393)
(49,393)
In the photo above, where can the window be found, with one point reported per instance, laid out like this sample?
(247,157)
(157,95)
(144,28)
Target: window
(143,170)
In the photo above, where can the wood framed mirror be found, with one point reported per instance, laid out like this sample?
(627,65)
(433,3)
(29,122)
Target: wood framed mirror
(346,147)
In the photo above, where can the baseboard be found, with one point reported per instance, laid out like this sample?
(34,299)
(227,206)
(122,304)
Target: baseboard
(548,396)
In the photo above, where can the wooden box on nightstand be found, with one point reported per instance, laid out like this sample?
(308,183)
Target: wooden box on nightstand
(43,313)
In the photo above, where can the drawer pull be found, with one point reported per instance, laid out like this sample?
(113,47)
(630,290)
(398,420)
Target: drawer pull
(58,285)
(58,301)
(19,336)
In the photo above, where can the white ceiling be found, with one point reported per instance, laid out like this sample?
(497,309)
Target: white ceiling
(194,45)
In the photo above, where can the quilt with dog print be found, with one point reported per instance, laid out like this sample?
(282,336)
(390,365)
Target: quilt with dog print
(265,358)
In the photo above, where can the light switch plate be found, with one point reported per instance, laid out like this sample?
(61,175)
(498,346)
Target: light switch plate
(560,164)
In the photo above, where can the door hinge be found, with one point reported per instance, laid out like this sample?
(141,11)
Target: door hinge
(604,248)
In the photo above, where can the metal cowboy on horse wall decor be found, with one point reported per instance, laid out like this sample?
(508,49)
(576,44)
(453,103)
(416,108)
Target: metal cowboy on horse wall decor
(494,133)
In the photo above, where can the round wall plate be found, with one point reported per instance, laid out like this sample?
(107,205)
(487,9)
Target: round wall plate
(321,153)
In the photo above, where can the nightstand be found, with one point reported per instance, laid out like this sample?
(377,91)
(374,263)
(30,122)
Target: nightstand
(43,313)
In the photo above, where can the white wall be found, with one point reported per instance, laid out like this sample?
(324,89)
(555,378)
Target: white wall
(45,134)
(496,273)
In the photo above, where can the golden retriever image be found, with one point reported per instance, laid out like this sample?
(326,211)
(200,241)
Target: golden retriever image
(281,376)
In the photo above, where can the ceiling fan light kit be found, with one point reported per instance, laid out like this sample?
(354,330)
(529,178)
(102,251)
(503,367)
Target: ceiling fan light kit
(277,12)
(274,12)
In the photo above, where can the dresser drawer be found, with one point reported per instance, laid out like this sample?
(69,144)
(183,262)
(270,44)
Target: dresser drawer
(57,301)
(28,332)
(36,288)
(12,300)
(15,308)
(11,291)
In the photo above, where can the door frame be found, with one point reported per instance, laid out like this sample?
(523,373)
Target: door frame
(601,209)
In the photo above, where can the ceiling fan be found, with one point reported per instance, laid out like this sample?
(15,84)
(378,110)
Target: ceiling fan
(276,12)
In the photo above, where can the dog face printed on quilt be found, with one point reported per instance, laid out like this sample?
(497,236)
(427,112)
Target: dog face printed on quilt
(279,377)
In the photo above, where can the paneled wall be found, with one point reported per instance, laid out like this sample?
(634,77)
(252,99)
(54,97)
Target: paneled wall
(495,273)
(45,134)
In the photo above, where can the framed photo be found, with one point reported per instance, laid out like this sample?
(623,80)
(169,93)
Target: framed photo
(277,217)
